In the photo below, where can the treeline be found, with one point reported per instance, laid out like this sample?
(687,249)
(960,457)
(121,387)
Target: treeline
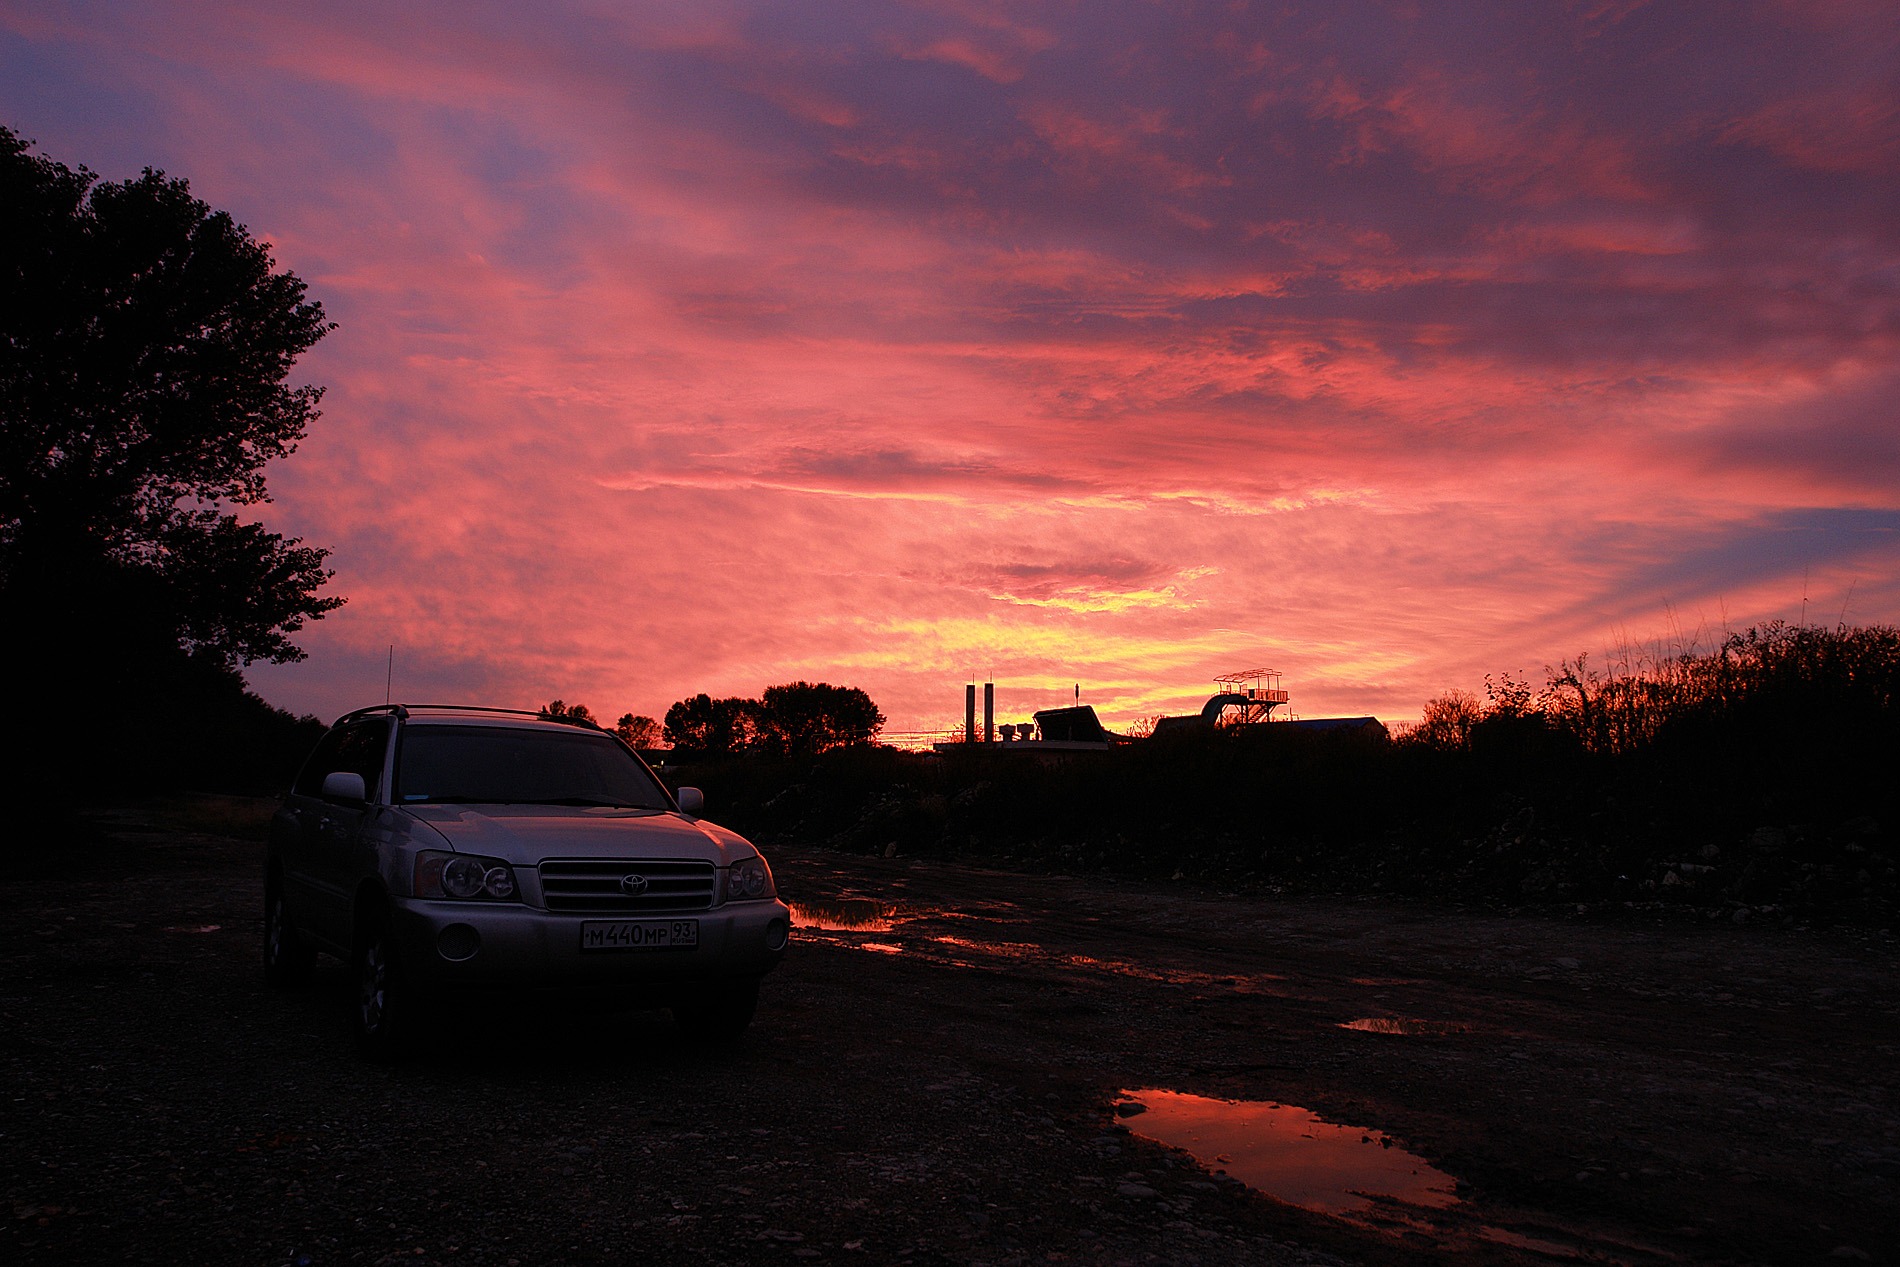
(146,345)
(1751,781)
(153,719)
(792,719)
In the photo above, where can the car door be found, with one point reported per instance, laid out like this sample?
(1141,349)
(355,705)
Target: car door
(326,861)
(294,831)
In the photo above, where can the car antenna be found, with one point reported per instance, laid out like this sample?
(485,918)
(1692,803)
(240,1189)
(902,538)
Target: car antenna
(389,675)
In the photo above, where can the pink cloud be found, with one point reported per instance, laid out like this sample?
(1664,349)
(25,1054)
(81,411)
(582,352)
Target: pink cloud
(1854,131)
(698,348)
(993,65)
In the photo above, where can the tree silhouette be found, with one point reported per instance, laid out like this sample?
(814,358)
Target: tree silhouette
(638,731)
(1448,721)
(572,714)
(799,718)
(145,343)
(704,724)
(793,719)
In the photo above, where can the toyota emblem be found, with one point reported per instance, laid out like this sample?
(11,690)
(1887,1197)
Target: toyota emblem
(633,885)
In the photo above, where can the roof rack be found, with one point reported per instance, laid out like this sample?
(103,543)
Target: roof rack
(401,712)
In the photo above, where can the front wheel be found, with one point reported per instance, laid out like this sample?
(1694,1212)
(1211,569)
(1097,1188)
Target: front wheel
(384,1015)
(721,1014)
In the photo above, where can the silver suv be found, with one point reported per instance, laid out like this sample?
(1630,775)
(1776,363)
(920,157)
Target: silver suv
(440,849)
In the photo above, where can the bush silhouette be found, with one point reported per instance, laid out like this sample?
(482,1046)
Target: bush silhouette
(1758,773)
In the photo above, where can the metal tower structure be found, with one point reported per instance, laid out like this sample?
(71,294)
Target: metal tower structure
(1248,695)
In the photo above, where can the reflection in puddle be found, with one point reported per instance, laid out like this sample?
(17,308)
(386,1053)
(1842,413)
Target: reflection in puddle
(1255,983)
(844,915)
(1289,1153)
(1403,1025)
(1349,1172)
(868,915)
(1007,949)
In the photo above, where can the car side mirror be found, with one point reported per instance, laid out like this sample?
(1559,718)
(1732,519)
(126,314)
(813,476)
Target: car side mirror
(691,800)
(344,785)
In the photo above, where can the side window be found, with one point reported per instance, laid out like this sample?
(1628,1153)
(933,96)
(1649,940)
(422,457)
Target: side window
(357,748)
(322,760)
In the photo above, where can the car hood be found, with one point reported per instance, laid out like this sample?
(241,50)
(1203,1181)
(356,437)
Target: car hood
(524,835)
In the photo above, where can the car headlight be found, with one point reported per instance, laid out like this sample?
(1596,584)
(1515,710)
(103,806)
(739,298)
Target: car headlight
(463,876)
(748,878)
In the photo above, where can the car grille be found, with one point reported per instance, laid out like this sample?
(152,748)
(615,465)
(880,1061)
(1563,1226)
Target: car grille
(594,884)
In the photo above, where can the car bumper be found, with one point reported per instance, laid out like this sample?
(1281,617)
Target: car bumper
(474,945)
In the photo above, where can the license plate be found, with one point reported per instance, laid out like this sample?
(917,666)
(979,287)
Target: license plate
(640,934)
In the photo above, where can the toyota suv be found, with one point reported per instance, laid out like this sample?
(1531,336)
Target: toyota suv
(441,850)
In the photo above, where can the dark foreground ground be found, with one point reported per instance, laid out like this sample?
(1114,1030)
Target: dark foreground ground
(942,1089)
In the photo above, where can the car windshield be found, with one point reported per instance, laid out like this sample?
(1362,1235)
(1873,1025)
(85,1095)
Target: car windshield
(518,766)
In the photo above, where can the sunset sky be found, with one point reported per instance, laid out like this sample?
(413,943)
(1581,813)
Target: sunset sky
(697,346)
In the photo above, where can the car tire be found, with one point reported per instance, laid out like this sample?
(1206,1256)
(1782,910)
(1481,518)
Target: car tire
(383,1008)
(288,959)
(721,1015)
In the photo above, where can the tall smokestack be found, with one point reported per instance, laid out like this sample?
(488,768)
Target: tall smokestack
(969,713)
(989,712)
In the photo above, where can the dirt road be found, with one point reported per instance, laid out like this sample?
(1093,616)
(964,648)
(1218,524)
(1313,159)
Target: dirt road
(968,1074)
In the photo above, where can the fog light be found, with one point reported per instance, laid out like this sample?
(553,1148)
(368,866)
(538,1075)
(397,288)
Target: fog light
(458,942)
(775,934)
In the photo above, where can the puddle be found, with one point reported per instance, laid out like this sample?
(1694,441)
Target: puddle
(1209,981)
(1290,1153)
(1212,983)
(845,915)
(1405,1026)
(869,915)
(1352,1173)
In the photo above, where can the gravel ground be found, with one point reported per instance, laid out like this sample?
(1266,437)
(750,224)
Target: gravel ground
(940,1087)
